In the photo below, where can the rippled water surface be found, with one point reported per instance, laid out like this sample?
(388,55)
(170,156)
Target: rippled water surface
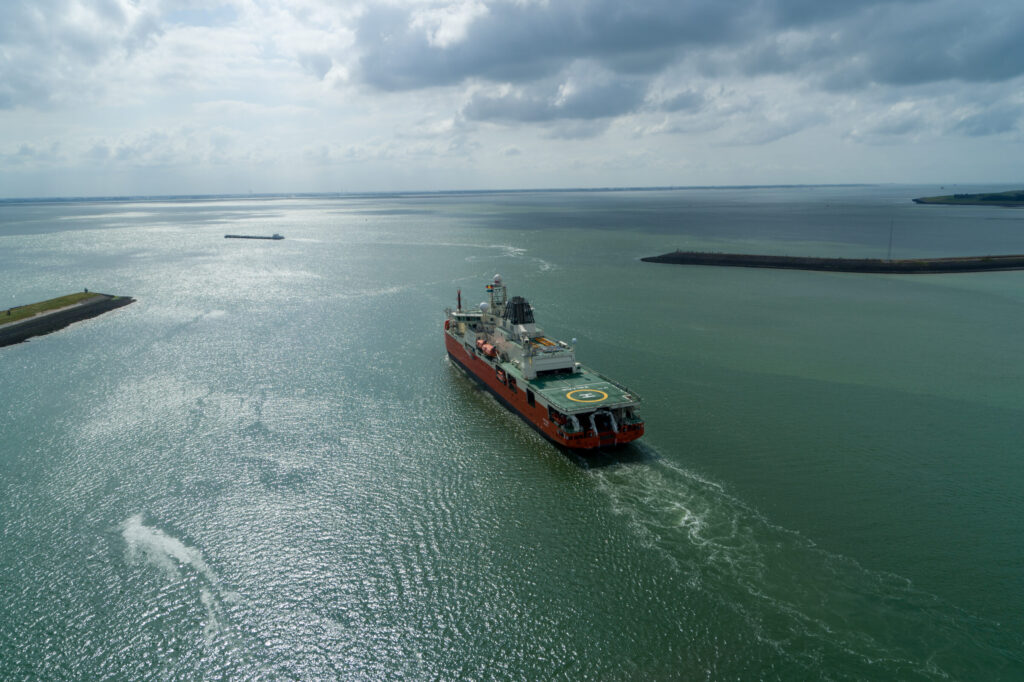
(266,468)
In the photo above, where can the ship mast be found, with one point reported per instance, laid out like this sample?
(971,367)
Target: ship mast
(498,293)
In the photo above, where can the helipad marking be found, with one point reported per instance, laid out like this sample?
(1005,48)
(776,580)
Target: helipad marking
(587,395)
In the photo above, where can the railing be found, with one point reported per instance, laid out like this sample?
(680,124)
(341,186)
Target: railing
(628,391)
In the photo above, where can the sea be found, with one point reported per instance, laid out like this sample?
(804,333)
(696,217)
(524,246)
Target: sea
(266,468)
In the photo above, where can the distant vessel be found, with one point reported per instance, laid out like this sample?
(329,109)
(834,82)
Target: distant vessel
(538,378)
(252,236)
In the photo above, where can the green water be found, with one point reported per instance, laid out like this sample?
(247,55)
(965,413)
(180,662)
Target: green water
(266,468)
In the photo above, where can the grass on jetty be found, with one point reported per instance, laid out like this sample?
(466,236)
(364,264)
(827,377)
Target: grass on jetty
(23,311)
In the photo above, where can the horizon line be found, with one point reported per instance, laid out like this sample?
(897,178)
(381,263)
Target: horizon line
(440,192)
(386,193)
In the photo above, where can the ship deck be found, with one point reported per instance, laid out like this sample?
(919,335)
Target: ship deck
(573,393)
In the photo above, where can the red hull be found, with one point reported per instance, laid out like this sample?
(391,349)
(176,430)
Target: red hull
(535,415)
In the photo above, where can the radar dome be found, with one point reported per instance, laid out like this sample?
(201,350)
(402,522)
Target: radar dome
(497,279)
(484,307)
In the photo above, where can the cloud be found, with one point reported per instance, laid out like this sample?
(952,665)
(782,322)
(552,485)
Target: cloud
(519,48)
(761,130)
(49,46)
(905,119)
(1003,117)
(315,63)
(582,93)
(181,146)
(404,87)
(892,44)
(446,25)
(31,155)
(517,42)
(688,100)
(56,53)
(576,130)
(521,41)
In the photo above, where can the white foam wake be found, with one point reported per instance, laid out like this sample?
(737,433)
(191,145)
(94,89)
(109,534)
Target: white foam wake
(160,549)
(173,556)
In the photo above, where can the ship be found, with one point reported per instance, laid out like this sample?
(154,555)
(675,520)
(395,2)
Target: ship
(253,236)
(500,346)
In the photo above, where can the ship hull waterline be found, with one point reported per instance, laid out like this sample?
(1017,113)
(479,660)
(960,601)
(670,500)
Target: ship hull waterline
(483,373)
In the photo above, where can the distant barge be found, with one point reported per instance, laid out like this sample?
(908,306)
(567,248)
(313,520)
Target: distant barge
(866,265)
(49,316)
(253,236)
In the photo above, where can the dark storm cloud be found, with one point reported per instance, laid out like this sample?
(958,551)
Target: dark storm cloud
(831,46)
(517,42)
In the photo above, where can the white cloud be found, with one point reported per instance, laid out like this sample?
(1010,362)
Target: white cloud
(447,24)
(508,92)
(51,49)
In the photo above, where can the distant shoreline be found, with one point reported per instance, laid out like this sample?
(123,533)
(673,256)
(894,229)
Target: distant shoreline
(1011,199)
(862,265)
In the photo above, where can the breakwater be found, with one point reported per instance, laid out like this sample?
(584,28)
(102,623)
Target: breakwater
(54,320)
(866,265)
(1012,199)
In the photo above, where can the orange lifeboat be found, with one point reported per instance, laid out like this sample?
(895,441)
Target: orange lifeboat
(486,348)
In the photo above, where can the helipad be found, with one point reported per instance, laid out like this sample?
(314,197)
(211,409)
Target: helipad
(586,395)
(581,392)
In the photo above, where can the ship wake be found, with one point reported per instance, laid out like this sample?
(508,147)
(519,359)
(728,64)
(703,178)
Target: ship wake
(782,588)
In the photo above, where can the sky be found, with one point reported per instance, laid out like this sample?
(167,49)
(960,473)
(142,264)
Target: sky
(156,97)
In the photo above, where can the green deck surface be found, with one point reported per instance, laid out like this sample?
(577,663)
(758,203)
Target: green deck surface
(574,393)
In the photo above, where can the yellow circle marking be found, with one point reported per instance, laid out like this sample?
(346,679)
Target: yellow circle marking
(587,395)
